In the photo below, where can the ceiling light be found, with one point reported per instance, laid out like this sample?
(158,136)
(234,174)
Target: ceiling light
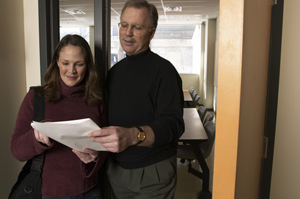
(75,12)
(173,9)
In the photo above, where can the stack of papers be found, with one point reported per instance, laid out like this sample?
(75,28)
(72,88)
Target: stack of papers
(72,133)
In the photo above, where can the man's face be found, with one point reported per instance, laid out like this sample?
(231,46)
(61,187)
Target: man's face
(138,35)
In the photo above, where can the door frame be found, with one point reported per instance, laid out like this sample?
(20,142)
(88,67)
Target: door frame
(272,99)
(48,32)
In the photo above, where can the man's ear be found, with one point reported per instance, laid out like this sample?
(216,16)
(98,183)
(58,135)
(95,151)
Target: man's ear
(152,33)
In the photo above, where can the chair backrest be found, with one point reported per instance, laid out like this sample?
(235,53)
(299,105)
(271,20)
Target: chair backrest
(194,94)
(196,99)
(207,145)
(202,112)
(208,117)
(191,90)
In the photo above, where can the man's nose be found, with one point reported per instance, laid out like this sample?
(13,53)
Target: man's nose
(129,30)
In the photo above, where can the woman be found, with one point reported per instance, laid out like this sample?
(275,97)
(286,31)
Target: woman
(71,91)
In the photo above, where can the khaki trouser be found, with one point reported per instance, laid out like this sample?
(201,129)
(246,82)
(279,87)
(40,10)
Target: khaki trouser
(155,181)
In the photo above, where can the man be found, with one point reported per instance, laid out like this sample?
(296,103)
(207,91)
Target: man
(145,112)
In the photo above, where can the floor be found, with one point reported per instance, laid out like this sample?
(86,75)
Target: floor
(188,185)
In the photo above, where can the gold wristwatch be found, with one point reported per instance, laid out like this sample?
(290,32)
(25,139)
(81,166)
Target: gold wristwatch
(141,136)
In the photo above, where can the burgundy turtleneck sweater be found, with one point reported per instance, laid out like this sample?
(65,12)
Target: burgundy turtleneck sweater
(64,174)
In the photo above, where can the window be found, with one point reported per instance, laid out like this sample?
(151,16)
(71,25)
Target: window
(179,44)
(82,31)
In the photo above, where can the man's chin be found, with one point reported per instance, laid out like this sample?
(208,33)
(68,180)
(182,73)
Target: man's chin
(128,51)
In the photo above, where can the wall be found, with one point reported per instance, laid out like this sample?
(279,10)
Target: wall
(255,63)
(216,66)
(286,163)
(202,62)
(32,48)
(204,82)
(13,86)
(190,80)
(228,112)
(209,63)
(242,83)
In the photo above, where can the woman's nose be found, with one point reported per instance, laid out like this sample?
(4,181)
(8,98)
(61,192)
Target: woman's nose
(72,69)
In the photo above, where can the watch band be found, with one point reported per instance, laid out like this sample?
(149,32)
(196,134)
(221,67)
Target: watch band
(139,128)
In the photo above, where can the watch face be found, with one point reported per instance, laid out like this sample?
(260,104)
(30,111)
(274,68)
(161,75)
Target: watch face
(141,136)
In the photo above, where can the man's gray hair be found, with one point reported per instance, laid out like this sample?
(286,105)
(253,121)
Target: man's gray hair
(153,14)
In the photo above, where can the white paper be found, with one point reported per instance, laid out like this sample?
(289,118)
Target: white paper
(72,133)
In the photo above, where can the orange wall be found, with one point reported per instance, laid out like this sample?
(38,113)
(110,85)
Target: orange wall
(242,81)
(228,104)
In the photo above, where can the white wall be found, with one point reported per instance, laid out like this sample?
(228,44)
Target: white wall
(190,80)
(13,86)
(286,162)
(19,61)
(32,48)
(209,62)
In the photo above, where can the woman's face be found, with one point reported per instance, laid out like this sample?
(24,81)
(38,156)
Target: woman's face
(72,66)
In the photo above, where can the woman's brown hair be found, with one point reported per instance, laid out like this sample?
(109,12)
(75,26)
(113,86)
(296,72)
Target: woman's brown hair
(51,88)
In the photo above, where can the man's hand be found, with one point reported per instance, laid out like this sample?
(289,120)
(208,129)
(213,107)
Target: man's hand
(115,139)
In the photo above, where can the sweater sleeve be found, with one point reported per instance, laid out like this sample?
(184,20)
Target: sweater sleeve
(24,146)
(168,125)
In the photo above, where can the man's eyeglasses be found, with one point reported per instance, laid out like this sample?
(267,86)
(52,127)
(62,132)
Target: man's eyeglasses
(135,28)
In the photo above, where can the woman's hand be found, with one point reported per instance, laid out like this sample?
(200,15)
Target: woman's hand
(89,155)
(42,138)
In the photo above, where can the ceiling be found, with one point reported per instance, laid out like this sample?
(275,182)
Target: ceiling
(192,12)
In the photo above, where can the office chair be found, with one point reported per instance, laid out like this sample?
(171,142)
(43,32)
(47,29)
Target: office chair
(196,99)
(185,152)
(208,117)
(202,112)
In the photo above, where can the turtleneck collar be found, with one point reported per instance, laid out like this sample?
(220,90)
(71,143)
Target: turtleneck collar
(138,57)
(72,91)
